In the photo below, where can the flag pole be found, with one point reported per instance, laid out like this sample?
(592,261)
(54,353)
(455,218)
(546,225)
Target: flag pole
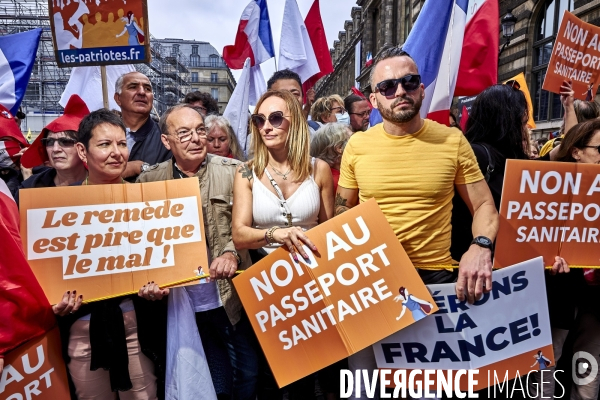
(275,60)
(104,86)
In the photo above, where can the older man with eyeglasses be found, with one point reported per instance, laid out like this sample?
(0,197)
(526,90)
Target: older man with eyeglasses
(219,313)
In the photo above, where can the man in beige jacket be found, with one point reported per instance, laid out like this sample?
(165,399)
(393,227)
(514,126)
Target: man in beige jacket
(219,313)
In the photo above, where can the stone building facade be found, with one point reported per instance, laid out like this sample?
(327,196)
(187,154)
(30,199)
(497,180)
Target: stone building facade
(375,23)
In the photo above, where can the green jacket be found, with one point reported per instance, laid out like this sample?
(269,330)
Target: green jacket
(216,189)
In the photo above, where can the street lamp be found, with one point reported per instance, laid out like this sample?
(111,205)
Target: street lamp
(508,28)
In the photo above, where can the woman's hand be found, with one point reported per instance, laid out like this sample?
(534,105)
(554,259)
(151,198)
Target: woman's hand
(560,266)
(567,94)
(68,305)
(151,291)
(293,238)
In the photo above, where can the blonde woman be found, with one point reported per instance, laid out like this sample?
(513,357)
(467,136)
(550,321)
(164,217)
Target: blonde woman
(221,139)
(283,191)
(328,145)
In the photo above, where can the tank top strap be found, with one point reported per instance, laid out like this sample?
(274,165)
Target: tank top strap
(313,161)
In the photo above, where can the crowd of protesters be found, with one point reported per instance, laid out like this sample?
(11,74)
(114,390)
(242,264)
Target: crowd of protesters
(308,160)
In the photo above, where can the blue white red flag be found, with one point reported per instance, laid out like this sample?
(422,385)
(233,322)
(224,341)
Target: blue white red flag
(17,56)
(253,39)
(436,48)
(369,59)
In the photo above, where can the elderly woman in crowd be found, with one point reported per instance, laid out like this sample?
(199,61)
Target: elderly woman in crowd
(100,340)
(220,139)
(329,109)
(328,145)
(283,191)
(55,146)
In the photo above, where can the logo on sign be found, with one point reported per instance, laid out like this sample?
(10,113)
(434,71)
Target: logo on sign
(584,368)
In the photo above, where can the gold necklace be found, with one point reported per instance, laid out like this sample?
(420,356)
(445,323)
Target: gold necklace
(280,173)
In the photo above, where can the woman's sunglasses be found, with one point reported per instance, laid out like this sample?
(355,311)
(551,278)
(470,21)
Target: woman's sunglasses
(275,119)
(62,142)
(389,87)
(593,147)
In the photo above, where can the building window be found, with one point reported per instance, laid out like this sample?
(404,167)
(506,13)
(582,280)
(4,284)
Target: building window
(195,49)
(407,18)
(194,77)
(195,60)
(214,92)
(174,50)
(214,60)
(213,77)
(546,105)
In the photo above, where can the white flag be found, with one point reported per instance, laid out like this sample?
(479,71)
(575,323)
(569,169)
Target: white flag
(295,49)
(188,376)
(237,112)
(87,83)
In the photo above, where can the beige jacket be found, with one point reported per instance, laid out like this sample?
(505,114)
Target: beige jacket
(216,189)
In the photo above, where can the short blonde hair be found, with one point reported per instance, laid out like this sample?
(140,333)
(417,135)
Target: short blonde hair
(217,121)
(329,141)
(323,107)
(297,142)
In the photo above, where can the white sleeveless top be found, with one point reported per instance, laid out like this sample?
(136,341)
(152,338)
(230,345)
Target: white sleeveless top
(268,211)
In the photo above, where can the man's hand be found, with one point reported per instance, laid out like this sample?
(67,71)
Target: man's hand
(474,274)
(310,97)
(133,168)
(223,267)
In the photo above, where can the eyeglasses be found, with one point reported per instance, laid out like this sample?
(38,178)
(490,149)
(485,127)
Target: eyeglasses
(186,135)
(363,114)
(389,87)
(513,84)
(203,109)
(594,147)
(341,109)
(275,119)
(62,142)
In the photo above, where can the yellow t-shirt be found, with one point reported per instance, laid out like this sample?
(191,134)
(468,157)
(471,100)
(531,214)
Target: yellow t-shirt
(412,177)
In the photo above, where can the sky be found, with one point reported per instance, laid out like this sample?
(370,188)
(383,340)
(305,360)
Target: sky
(216,21)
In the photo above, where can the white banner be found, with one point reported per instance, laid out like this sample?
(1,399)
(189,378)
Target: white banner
(509,321)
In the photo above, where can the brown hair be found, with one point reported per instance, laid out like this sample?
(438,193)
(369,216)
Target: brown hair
(577,138)
(297,141)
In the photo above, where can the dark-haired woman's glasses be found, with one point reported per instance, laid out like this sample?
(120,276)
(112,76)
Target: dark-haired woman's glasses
(62,142)
(594,147)
(275,119)
(389,87)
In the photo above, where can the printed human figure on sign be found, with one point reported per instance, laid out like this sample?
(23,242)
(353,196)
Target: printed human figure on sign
(136,35)
(542,361)
(418,308)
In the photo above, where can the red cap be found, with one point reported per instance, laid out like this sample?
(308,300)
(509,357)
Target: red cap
(9,128)
(75,110)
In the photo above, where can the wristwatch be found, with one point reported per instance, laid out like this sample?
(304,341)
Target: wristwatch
(235,254)
(483,241)
(145,167)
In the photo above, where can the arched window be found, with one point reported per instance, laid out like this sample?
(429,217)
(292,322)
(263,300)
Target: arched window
(546,105)
(214,60)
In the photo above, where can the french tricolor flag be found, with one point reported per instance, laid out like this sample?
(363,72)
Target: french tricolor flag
(253,39)
(444,41)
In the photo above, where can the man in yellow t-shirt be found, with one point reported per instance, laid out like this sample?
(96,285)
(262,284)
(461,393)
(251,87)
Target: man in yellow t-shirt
(411,167)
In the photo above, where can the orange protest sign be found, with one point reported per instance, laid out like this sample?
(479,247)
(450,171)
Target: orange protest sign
(575,57)
(347,297)
(35,370)
(548,209)
(99,33)
(521,84)
(107,240)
